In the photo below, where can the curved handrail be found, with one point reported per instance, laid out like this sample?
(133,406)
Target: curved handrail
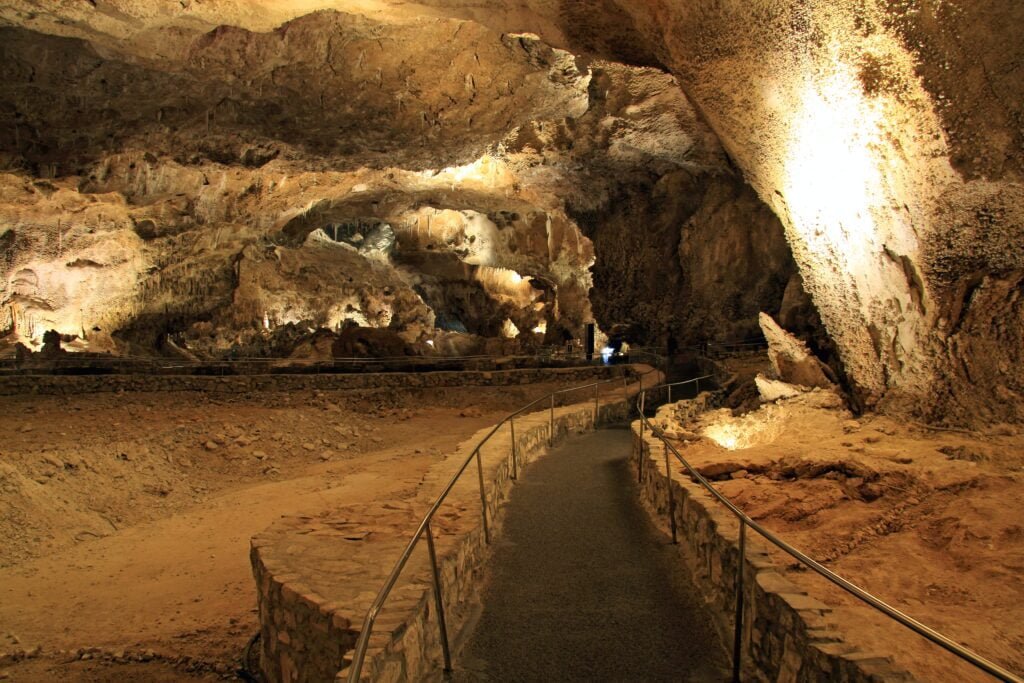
(362,644)
(930,634)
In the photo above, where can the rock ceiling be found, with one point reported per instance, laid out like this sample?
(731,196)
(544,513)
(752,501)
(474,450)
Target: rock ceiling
(183,162)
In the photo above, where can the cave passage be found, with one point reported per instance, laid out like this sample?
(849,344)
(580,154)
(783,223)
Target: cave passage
(583,587)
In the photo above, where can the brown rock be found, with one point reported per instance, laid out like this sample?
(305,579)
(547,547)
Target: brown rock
(774,390)
(718,470)
(792,360)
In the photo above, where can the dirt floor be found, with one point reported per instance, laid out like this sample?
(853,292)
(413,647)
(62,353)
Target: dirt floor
(929,520)
(126,518)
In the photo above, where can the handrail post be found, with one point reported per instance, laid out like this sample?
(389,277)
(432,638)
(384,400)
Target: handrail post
(671,498)
(439,602)
(698,387)
(597,407)
(515,465)
(737,643)
(483,496)
(643,411)
(551,423)
(669,393)
(640,459)
(625,391)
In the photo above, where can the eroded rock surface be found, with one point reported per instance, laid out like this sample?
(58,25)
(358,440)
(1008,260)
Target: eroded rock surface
(234,191)
(792,360)
(886,138)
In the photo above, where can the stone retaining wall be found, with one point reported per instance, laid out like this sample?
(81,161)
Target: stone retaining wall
(316,576)
(788,636)
(85,384)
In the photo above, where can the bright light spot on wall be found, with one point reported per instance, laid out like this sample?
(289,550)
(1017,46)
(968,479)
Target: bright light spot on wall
(486,170)
(509,329)
(724,435)
(541,328)
(384,316)
(506,285)
(347,311)
(833,182)
(757,428)
(358,318)
(849,176)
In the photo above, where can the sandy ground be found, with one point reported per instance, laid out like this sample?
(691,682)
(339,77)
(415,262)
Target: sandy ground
(126,518)
(930,521)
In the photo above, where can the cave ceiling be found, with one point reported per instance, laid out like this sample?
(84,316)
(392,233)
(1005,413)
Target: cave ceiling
(206,188)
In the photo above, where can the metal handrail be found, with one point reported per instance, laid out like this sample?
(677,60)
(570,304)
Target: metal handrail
(362,644)
(930,634)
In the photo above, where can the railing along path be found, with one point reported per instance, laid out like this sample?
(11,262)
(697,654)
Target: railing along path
(424,530)
(745,521)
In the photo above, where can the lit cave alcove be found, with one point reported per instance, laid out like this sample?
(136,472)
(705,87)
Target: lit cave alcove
(364,340)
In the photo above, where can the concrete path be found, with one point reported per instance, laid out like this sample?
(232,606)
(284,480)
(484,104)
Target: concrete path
(583,587)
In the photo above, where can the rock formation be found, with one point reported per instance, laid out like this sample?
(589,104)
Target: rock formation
(792,360)
(156,151)
(209,198)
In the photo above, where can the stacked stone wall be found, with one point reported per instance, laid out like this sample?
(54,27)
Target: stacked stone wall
(788,636)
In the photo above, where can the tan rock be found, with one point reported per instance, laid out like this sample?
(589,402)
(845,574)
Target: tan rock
(773,389)
(791,359)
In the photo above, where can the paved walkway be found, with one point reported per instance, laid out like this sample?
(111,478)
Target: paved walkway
(582,586)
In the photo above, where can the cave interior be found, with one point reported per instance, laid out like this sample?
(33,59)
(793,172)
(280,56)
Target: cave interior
(810,197)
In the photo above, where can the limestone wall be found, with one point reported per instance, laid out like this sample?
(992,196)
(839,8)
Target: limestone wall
(788,636)
(84,384)
(317,575)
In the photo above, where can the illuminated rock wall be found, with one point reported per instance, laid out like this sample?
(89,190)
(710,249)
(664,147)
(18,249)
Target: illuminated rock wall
(888,138)
(423,176)
(885,135)
(243,189)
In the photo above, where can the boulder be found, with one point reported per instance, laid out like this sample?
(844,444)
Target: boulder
(774,389)
(721,470)
(792,360)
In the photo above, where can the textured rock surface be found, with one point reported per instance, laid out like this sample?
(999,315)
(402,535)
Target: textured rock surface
(213,195)
(886,136)
(881,140)
(719,252)
(791,359)
(236,190)
(774,389)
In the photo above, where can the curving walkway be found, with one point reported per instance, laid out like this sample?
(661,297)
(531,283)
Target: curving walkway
(583,587)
